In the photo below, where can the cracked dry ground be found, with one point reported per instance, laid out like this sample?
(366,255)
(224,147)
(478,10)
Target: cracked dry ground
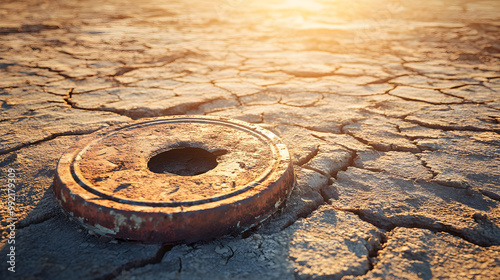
(390,110)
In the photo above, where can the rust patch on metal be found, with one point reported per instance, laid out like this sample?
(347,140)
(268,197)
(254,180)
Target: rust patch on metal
(173,180)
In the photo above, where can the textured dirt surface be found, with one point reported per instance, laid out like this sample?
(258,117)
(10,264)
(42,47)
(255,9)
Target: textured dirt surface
(390,109)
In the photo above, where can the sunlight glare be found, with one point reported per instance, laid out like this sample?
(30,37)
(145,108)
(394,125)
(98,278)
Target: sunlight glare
(308,5)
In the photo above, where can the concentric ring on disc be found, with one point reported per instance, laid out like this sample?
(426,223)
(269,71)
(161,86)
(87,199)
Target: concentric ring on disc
(105,182)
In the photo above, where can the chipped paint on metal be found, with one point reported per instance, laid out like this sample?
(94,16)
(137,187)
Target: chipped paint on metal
(103,230)
(138,221)
(278,203)
(119,220)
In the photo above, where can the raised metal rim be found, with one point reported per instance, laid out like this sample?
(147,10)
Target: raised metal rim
(258,133)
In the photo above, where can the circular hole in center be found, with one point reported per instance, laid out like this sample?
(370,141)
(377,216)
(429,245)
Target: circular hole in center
(185,161)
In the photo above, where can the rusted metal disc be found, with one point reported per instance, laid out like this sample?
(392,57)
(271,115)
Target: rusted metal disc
(176,179)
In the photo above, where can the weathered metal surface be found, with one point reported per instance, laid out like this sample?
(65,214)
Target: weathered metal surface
(105,182)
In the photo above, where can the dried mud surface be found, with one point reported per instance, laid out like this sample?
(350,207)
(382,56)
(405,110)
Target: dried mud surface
(390,109)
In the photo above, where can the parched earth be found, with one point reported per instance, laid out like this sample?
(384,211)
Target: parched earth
(390,109)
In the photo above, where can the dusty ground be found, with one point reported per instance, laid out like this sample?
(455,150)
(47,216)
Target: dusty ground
(390,109)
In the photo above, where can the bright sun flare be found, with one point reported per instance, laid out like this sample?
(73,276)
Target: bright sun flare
(302,4)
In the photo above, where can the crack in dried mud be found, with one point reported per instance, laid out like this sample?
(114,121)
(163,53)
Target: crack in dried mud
(138,263)
(293,68)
